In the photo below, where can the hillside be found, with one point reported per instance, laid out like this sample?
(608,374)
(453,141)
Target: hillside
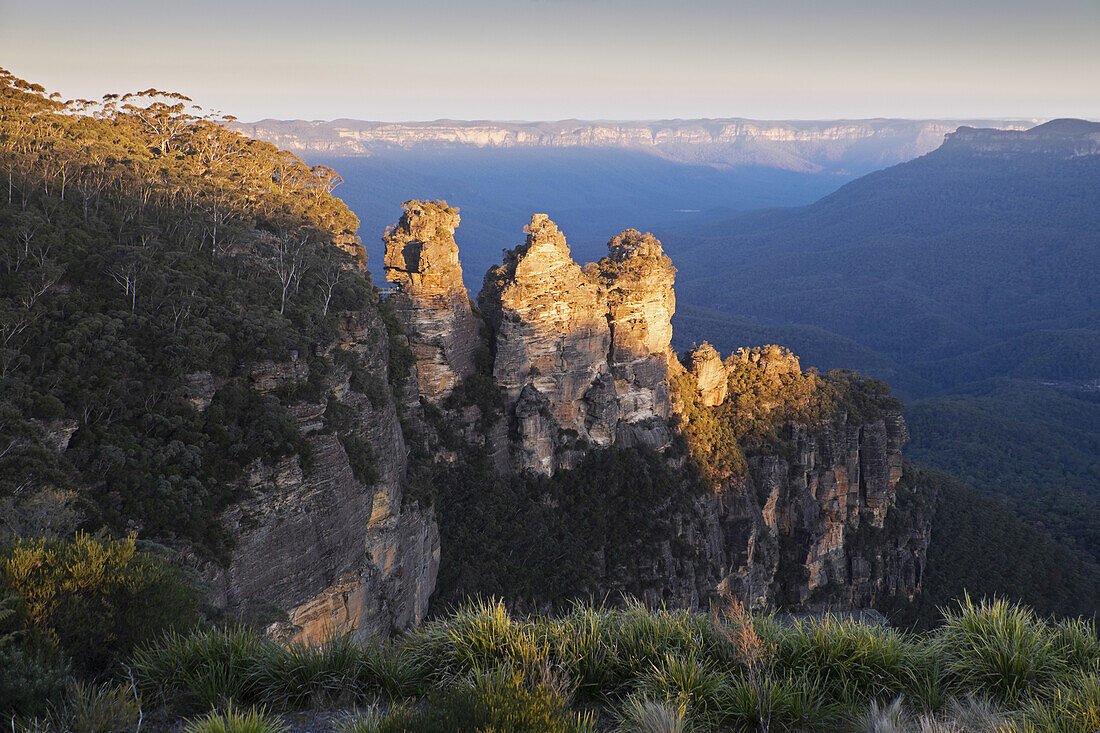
(975,262)
(949,254)
(194,356)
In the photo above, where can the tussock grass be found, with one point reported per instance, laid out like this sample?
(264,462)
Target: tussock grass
(234,720)
(1000,649)
(993,667)
(854,663)
(640,714)
(204,668)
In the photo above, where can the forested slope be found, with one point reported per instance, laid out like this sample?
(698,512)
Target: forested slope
(144,250)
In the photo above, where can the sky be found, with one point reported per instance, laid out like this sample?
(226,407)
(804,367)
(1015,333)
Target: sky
(558,59)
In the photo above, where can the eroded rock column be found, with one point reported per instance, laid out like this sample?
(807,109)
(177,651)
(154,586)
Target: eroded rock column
(422,261)
(549,324)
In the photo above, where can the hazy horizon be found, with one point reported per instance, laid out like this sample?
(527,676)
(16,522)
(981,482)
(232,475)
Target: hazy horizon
(539,60)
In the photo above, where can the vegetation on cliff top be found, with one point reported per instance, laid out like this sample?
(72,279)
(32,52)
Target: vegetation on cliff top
(767,391)
(990,668)
(146,249)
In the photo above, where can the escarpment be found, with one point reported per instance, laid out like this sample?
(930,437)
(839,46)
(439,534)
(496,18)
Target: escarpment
(780,486)
(326,540)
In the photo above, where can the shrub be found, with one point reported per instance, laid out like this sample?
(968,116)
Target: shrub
(999,649)
(107,708)
(502,700)
(856,662)
(31,679)
(207,667)
(233,720)
(693,685)
(1070,707)
(393,671)
(640,714)
(96,598)
(787,703)
(300,675)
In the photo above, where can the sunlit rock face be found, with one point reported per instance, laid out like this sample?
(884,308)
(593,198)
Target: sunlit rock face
(422,261)
(705,364)
(323,550)
(583,354)
(816,525)
(638,276)
(549,324)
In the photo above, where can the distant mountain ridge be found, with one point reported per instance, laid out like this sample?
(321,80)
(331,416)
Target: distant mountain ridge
(837,146)
(1066,138)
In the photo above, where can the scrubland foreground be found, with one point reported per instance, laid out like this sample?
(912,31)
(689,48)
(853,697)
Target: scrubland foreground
(991,666)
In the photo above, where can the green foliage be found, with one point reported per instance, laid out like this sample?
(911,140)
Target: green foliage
(96,599)
(1034,445)
(502,700)
(302,676)
(482,668)
(545,540)
(640,714)
(851,661)
(979,547)
(1072,706)
(767,391)
(32,677)
(361,457)
(140,246)
(234,720)
(999,649)
(204,668)
(107,708)
(402,358)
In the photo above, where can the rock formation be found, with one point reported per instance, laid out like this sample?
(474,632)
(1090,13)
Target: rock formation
(422,260)
(582,354)
(711,377)
(814,517)
(331,548)
(637,276)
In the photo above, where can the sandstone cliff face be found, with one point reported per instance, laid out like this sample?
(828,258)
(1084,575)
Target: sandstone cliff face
(550,341)
(582,354)
(807,530)
(637,276)
(849,146)
(325,548)
(422,261)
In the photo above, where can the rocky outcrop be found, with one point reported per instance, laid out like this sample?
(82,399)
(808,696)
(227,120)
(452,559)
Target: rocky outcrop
(806,513)
(583,355)
(422,261)
(335,546)
(550,339)
(637,276)
(817,526)
(712,380)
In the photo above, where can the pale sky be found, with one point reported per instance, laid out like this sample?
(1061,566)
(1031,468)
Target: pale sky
(556,59)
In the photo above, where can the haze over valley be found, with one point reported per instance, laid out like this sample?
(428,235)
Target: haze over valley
(550,366)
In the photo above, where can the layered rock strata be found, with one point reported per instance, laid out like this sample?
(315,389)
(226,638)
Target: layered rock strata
(582,353)
(638,276)
(332,549)
(422,261)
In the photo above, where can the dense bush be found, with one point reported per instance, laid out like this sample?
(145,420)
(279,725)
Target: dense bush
(144,247)
(480,668)
(95,599)
(547,541)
